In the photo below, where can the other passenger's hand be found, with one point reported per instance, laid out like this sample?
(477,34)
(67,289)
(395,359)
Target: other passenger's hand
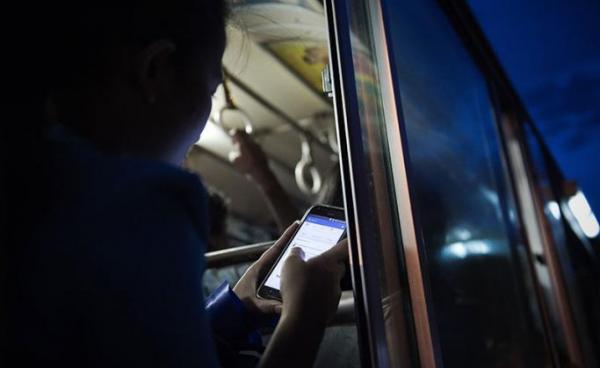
(246,288)
(311,289)
(250,158)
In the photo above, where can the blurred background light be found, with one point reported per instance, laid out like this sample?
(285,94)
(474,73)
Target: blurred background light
(554,209)
(463,249)
(582,212)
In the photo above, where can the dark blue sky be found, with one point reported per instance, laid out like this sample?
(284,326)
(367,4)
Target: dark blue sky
(551,51)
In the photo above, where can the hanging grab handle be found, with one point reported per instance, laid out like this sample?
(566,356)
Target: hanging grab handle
(232,108)
(248,128)
(306,167)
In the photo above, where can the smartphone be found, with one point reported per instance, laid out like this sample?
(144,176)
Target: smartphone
(321,228)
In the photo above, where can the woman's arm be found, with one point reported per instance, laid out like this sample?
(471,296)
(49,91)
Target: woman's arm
(295,343)
(311,293)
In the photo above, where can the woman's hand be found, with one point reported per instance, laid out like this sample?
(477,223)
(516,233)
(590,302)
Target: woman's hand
(311,289)
(246,288)
(311,293)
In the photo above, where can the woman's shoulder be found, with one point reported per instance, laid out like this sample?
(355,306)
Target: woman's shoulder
(98,191)
(79,169)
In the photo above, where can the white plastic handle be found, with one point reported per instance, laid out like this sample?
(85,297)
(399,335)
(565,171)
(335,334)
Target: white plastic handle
(303,168)
(306,166)
(245,119)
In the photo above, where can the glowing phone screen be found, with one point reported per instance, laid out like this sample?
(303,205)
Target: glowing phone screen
(316,235)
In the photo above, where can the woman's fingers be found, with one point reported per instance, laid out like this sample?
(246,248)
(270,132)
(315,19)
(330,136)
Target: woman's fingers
(339,252)
(271,254)
(298,252)
(281,242)
(268,306)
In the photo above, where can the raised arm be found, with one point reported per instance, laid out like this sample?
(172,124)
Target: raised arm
(253,162)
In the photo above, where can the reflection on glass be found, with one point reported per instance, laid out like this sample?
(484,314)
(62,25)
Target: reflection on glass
(484,311)
(554,209)
(583,214)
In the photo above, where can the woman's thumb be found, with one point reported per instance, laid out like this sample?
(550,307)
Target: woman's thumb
(297,252)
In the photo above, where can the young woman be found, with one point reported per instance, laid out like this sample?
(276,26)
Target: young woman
(106,234)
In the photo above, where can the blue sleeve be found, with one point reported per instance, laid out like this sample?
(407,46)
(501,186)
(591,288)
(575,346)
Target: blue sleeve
(146,286)
(231,322)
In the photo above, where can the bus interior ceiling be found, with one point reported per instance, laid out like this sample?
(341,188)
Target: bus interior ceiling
(275,51)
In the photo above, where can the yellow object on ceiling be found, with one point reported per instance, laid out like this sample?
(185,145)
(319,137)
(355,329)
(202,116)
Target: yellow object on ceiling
(305,58)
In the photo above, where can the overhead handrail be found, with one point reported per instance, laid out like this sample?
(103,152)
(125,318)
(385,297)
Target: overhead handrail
(269,106)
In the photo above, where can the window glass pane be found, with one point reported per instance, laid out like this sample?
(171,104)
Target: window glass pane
(484,310)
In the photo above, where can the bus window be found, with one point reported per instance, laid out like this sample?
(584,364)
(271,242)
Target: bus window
(484,309)
(423,139)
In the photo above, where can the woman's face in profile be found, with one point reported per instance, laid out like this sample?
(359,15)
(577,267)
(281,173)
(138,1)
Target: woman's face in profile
(204,80)
(195,85)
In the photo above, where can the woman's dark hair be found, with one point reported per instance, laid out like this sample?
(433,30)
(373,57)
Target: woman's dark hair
(217,219)
(92,31)
(69,45)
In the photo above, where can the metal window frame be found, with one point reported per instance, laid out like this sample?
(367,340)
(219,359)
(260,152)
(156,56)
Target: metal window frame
(412,246)
(351,137)
(370,324)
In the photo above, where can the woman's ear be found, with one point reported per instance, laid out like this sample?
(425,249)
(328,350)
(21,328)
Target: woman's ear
(154,69)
